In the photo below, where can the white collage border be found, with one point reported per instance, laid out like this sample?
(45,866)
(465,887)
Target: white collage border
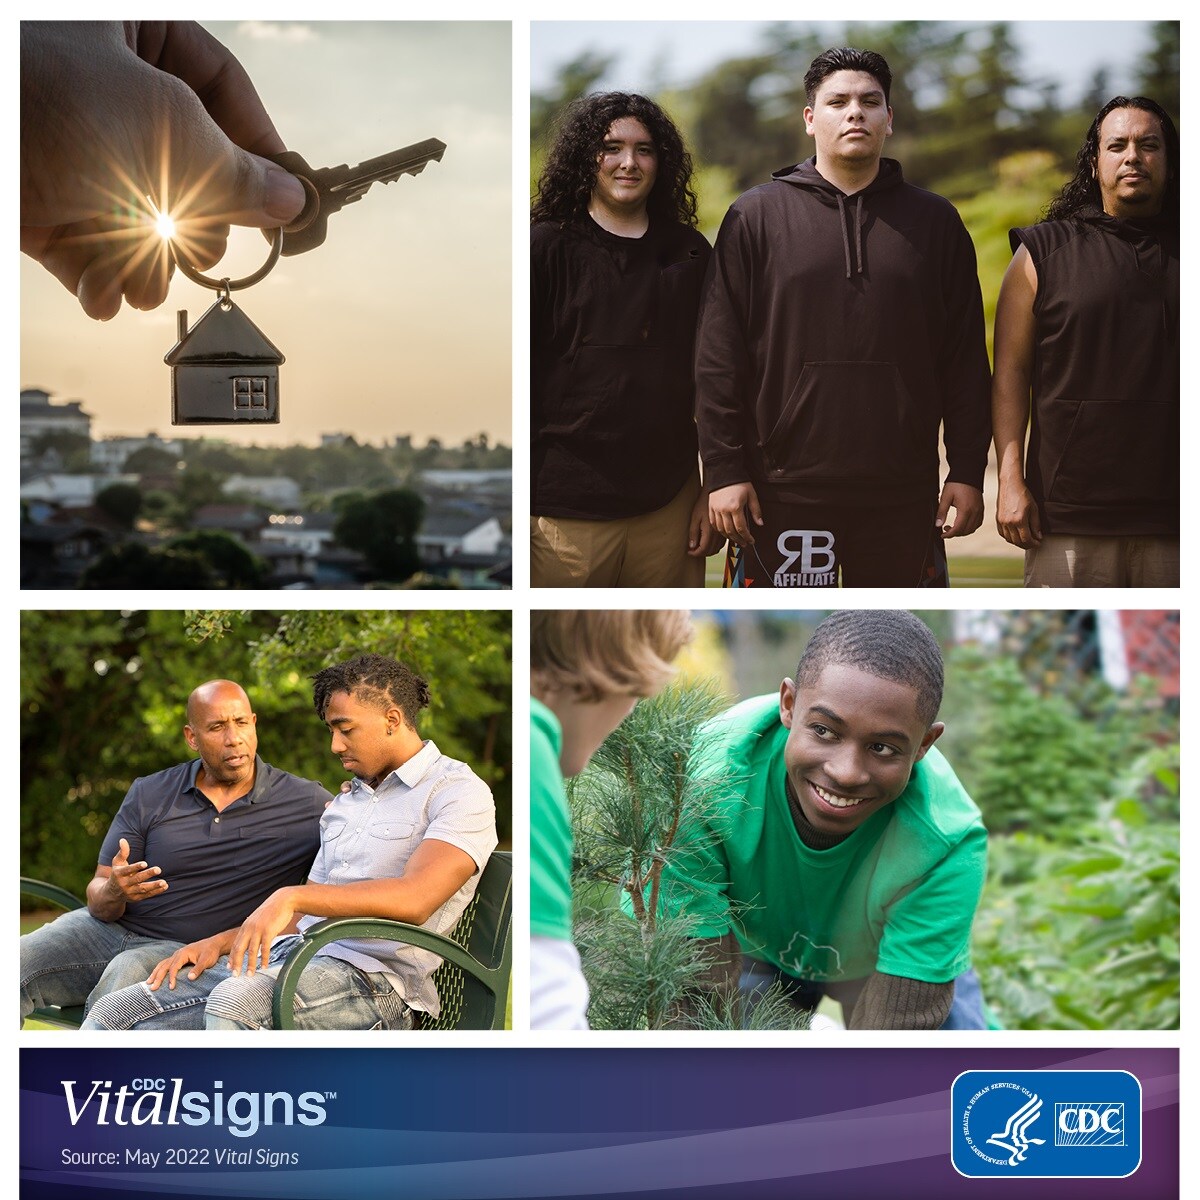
(521,600)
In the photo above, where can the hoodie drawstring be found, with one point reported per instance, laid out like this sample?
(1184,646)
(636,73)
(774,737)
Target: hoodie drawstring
(858,230)
(841,201)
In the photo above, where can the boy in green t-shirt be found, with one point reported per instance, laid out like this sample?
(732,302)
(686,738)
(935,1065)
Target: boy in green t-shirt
(587,671)
(839,853)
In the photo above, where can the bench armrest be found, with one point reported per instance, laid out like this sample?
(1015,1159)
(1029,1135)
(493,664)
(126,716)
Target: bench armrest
(337,929)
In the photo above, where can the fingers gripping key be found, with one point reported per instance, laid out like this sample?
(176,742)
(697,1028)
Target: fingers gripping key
(329,188)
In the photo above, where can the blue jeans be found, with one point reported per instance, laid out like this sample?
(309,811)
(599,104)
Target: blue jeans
(331,994)
(966,1010)
(76,958)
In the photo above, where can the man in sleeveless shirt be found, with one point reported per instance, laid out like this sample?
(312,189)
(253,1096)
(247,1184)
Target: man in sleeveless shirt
(1087,358)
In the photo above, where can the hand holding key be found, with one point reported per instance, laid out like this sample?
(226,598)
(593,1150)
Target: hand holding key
(110,109)
(329,189)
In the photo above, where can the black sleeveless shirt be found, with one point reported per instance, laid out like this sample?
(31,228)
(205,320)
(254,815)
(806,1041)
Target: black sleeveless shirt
(1104,440)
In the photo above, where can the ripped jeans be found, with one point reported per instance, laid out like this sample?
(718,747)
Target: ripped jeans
(76,958)
(331,994)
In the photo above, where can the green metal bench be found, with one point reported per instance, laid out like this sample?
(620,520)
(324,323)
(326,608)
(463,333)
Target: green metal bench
(67,1017)
(472,981)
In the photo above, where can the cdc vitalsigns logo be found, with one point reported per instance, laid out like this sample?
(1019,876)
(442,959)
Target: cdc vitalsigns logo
(1046,1124)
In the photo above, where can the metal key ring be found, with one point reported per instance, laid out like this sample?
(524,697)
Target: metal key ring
(232,285)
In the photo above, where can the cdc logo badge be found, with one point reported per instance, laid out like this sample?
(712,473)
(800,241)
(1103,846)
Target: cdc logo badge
(1046,1124)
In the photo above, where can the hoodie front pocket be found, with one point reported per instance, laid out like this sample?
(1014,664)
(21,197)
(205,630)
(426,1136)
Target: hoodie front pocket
(1114,452)
(604,394)
(847,421)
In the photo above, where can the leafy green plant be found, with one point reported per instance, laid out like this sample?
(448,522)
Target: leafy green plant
(631,811)
(639,978)
(1084,933)
(627,810)
(1030,761)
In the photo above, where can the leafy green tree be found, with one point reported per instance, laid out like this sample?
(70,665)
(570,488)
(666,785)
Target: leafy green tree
(157,505)
(383,528)
(103,693)
(133,565)
(1098,92)
(741,123)
(1023,185)
(198,486)
(150,460)
(231,563)
(431,454)
(978,122)
(216,456)
(574,79)
(121,501)
(465,656)
(1030,761)
(73,449)
(1158,73)
(102,702)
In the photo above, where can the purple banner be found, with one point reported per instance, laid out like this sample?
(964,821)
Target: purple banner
(428,1124)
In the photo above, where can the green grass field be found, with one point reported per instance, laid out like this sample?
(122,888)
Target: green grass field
(978,571)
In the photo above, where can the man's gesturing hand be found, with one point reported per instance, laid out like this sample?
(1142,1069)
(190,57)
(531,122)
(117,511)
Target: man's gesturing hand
(132,882)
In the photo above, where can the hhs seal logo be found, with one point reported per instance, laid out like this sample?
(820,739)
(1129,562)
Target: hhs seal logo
(1046,1124)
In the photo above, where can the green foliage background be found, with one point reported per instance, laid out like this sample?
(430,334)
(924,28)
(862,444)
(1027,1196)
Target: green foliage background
(972,122)
(1078,926)
(103,694)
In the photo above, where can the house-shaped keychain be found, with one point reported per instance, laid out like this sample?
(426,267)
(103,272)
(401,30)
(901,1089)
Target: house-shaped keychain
(223,370)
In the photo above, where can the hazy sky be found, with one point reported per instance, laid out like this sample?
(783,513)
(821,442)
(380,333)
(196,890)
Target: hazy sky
(401,321)
(678,52)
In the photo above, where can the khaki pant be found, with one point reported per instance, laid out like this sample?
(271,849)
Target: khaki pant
(645,551)
(1075,560)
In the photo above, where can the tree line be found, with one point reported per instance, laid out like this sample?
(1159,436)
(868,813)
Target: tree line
(965,102)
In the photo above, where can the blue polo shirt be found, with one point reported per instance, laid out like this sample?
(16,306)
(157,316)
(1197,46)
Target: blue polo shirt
(220,865)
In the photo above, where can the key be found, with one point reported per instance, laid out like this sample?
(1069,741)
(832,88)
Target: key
(329,188)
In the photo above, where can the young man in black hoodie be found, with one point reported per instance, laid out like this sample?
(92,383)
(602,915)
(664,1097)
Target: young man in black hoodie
(616,267)
(841,327)
(1088,325)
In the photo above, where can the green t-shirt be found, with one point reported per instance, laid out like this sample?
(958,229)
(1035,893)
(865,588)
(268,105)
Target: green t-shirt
(898,895)
(549,829)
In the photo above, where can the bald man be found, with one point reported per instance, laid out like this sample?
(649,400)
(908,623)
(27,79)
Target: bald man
(193,850)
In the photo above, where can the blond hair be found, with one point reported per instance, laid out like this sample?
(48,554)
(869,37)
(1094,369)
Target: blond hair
(594,654)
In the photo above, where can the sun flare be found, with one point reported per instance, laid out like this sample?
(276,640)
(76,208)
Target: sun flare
(164,223)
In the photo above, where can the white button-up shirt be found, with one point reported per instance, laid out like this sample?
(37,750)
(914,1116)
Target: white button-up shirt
(370,833)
